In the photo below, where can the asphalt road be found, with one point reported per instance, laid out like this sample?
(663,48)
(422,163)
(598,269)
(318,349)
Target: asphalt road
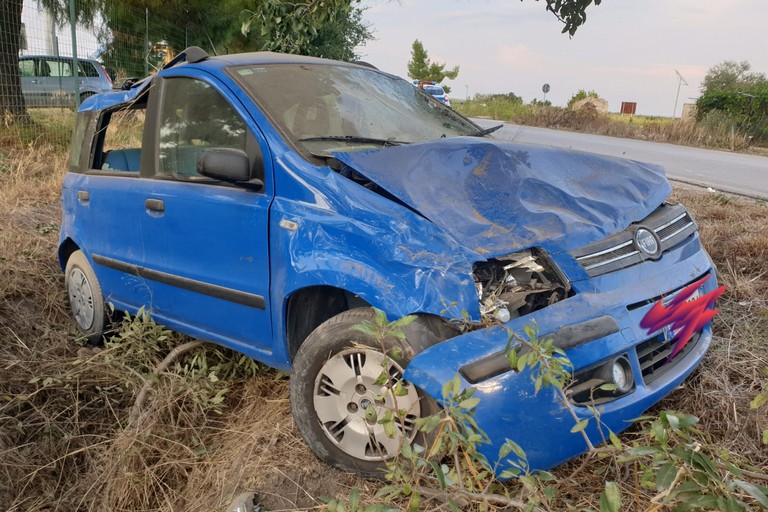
(729,172)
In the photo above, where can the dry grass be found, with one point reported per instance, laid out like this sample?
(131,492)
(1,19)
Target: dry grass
(65,442)
(735,232)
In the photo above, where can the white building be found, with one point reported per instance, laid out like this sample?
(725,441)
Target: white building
(42,36)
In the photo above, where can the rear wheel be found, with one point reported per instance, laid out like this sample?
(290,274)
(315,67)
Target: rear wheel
(86,301)
(342,385)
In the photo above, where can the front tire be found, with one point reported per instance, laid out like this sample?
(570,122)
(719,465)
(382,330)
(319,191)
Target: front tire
(86,301)
(337,395)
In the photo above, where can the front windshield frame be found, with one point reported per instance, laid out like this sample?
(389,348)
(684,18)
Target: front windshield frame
(347,87)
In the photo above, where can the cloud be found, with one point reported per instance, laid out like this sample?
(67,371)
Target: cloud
(521,56)
(627,50)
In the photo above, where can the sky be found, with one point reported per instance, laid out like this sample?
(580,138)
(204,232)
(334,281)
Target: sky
(628,50)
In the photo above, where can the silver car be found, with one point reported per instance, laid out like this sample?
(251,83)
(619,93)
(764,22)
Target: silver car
(49,81)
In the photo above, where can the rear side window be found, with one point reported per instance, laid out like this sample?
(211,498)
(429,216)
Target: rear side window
(194,116)
(88,69)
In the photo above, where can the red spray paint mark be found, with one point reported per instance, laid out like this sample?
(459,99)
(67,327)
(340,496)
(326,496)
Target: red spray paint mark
(683,317)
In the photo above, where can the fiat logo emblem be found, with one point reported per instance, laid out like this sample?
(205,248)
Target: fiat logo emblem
(646,242)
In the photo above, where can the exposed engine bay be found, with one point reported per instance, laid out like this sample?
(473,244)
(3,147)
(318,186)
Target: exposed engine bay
(516,285)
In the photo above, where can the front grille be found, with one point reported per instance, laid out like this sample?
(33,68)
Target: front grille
(614,254)
(654,356)
(671,223)
(673,227)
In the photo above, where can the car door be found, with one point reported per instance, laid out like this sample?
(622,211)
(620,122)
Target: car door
(206,242)
(30,81)
(103,200)
(59,86)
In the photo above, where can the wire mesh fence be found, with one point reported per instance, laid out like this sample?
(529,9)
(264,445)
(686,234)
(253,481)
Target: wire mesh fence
(48,66)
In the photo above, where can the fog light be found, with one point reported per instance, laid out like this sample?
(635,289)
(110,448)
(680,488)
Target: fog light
(621,374)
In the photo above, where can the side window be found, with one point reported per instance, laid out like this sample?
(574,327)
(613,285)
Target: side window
(193,117)
(88,69)
(55,68)
(119,139)
(27,67)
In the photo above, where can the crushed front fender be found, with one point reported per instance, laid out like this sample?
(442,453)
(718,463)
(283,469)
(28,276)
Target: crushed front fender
(594,328)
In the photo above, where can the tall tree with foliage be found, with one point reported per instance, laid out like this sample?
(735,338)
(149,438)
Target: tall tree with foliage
(730,75)
(213,26)
(420,67)
(327,28)
(295,26)
(338,40)
(733,91)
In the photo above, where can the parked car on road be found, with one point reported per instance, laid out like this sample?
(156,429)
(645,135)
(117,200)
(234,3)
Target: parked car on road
(49,81)
(434,89)
(272,203)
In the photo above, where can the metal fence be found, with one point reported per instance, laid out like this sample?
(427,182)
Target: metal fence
(49,65)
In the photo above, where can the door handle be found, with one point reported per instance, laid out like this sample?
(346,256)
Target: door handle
(35,81)
(155,205)
(83,196)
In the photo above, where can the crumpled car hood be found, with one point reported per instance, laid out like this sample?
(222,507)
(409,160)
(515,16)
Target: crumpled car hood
(498,197)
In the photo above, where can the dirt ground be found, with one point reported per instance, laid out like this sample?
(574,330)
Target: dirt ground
(67,442)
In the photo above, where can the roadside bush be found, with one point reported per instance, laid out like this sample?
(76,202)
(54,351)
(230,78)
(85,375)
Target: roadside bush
(581,95)
(746,112)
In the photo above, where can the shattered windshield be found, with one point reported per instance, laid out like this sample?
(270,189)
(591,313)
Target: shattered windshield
(323,108)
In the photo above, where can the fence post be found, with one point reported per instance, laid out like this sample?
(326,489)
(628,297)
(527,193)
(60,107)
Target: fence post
(75,63)
(146,41)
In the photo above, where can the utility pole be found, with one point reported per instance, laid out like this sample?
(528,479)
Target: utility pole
(680,81)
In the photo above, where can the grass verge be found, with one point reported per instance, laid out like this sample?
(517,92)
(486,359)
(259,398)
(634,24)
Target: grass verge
(714,131)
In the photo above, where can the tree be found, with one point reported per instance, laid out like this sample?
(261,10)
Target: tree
(573,13)
(421,68)
(732,91)
(327,28)
(12,108)
(213,26)
(338,40)
(309,26)
(730,75)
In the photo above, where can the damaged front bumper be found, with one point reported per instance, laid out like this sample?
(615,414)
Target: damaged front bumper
(598,325)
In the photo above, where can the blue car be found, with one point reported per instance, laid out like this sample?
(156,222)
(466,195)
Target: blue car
(271,203)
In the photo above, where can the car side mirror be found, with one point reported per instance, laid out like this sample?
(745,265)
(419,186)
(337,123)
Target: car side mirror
(227,164)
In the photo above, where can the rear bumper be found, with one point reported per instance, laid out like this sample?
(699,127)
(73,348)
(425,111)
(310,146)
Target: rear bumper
(594,327)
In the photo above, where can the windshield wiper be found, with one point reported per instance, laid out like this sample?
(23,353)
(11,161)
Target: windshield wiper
(486,131)
(355,138)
